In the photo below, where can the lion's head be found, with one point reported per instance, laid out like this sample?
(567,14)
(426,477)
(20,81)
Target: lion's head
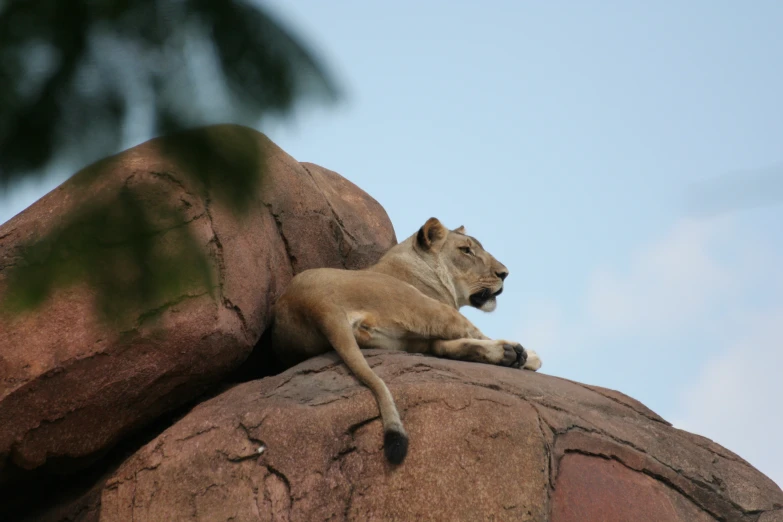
(459,260)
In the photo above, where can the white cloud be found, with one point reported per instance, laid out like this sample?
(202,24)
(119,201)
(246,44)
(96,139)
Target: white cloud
(736,398)
(668,285)
(544,324)
(692,325)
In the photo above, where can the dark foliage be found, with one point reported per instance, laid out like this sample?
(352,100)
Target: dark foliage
(72,71)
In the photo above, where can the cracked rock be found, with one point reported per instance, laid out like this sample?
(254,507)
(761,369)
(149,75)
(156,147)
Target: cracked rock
(72,386)
(486,443)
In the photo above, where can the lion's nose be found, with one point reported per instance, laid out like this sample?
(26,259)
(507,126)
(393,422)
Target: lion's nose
(503,274)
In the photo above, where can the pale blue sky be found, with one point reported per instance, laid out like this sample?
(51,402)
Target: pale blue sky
(565,136)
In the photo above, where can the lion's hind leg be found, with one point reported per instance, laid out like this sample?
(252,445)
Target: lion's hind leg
(337,327)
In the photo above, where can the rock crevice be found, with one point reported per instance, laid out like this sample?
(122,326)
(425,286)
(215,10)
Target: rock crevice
(72,385)
(473,428)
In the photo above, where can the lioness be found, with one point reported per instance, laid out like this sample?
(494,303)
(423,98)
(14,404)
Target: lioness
(407,301)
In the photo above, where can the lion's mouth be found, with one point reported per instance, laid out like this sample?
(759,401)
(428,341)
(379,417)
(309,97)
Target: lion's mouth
(483,296)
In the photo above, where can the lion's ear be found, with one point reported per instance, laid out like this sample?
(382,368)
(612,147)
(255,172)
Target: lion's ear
(432,233)
(460,230)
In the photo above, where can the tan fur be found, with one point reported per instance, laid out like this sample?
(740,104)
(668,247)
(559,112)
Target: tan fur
(408,301)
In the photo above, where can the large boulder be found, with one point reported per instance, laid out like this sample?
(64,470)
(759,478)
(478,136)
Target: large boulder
(71,384)
(486,443)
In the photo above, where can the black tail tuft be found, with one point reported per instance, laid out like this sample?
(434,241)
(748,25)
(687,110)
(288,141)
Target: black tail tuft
(395,446)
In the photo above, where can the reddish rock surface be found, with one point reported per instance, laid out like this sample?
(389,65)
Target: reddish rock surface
(486,443)
(591,488)
(71,385)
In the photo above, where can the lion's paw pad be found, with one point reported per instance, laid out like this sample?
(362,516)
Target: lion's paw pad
(513,355)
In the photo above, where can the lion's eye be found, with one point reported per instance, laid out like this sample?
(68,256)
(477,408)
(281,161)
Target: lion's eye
(466,250)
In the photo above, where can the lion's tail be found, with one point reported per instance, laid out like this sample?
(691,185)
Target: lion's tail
(337,329)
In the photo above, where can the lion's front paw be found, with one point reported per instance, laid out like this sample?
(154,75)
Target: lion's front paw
(533,361)
(513,354)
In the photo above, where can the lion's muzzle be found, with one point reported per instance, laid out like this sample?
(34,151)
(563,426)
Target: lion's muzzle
(484,296)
